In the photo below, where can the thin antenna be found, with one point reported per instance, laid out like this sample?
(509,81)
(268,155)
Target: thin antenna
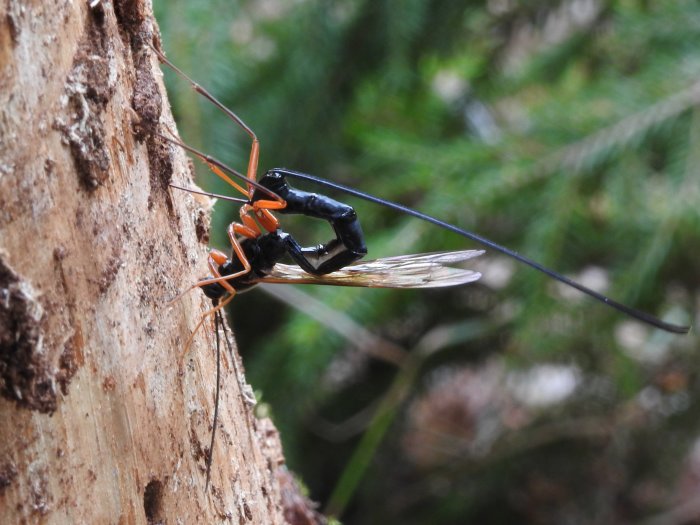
(632,312)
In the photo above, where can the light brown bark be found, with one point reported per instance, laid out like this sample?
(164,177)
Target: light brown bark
(99,424)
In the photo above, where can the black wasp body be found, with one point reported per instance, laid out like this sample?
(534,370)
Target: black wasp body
(264,251)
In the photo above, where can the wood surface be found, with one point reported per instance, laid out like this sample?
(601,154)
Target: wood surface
(100,424)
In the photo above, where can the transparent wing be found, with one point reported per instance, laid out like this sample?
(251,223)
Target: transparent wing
(425,270)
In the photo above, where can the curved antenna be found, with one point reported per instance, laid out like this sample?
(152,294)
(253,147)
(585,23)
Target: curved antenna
(632,312)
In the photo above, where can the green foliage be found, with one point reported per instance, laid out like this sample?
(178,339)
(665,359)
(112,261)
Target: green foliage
(565,130)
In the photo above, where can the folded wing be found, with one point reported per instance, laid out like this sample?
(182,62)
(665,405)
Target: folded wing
(425,270)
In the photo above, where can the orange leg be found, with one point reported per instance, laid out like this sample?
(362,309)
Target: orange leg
(264,216)
(255,147)
(216,259)
(268,221)
(270,205)
(251,233)
(228,179)
(250,225)
(276,203)
(253,159)
(221,170)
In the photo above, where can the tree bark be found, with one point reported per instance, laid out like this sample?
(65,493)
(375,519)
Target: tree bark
(100,424)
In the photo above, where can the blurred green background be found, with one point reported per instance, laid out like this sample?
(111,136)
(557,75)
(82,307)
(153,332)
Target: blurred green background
(568,131)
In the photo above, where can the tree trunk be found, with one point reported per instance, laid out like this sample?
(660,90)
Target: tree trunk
(100,423)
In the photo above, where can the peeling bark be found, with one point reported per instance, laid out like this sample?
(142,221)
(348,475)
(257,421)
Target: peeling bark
(100,424)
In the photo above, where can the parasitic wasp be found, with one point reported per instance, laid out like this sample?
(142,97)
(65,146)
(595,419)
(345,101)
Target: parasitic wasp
(259,243)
